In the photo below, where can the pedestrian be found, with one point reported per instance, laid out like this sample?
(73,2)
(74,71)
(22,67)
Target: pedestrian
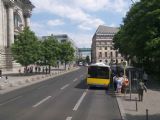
(125,84)
(6,79)
(0,73)
(145,78)
(141,88)
(119,84)
(115,82)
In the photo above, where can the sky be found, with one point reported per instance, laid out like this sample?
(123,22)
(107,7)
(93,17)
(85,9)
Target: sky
(79,19)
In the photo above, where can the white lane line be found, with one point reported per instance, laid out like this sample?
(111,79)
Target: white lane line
(69,118)
(79,101)
(64,86)
(11,100)
(75,80)
(81,76)
(42,101)
(42,87)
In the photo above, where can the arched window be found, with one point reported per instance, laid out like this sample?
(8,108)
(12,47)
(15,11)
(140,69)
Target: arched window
(17,21)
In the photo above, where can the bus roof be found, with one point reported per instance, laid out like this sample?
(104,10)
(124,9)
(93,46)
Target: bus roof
(101,64)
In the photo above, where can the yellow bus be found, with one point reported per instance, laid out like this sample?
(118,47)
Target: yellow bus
(98,75)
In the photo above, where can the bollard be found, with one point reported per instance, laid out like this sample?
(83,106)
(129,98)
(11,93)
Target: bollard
(27,81)
(136,104)
(147,114)
(1,87)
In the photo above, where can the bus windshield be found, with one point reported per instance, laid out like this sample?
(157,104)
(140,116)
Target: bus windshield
(98,72)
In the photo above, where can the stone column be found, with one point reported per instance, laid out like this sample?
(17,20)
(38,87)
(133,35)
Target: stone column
(1,24)
(27,21)
(10,15)
(10,33)
(27,15)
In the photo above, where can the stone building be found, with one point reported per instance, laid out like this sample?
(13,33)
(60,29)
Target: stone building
(62,38)
(102,46)
(14,16)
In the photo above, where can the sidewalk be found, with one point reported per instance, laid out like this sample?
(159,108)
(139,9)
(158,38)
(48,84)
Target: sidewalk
(151,102)
(16,81)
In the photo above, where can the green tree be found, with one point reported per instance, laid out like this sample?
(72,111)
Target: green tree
(87,59)
(25,48)
(67,52)
(139,35)
(50,51)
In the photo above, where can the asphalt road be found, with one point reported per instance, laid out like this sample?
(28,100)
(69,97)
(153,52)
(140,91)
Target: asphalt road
(65,97)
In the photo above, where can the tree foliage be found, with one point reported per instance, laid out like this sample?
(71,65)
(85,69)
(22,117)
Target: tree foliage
(50,51)
(139,35)
(67,52)
(87,59)
(25,48)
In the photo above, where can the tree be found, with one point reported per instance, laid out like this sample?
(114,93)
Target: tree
(67,52)
(87,59)
(25,48)
(139,35)
(50,51)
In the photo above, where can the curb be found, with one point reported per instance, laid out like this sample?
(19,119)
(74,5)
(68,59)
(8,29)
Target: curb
(121,109)
(31,81)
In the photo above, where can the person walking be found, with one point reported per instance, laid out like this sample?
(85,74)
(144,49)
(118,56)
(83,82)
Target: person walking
(145,78)
(115,82)
(125,84)
(119,84)
(141,88)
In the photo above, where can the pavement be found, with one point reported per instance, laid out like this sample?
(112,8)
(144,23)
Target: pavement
(16,80)
(148,109)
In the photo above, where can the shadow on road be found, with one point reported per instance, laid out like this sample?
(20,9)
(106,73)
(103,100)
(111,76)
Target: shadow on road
(82,85)
(143,117)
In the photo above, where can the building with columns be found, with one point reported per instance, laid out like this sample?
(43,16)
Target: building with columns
(102,49)
(14,16)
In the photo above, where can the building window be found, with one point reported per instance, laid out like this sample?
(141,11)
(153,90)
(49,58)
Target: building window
(105,54)
(100,54)
(105,48)
(100,48)
(111,54)
(17,21)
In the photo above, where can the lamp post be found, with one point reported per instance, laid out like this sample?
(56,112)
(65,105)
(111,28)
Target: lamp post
(116,61)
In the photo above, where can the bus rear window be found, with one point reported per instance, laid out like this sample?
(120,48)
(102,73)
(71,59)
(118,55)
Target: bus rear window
(98,72)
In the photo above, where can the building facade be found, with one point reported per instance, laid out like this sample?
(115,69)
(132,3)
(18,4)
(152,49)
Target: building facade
(102,46)
(14,16)
(63,38)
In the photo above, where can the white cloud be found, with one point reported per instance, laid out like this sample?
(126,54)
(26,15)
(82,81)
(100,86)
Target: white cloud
(119,6)
(56,22)
(37,27)
(82,40)
(67,10)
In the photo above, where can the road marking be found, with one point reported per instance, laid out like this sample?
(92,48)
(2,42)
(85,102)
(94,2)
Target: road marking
(75,80)
(81,76)
(42,101)
(11,100)
(64,86)
(79,101)
(69,118)
(42,87)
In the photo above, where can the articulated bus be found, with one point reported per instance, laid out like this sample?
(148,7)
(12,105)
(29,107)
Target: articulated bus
(98,75)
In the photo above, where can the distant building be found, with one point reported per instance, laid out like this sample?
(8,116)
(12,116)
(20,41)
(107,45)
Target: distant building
(84,52)
(102,46)
(63,38)
(14,16)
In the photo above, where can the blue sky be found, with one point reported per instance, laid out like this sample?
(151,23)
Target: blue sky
(77,18)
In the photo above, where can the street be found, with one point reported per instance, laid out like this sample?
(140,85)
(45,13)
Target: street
(64,97)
